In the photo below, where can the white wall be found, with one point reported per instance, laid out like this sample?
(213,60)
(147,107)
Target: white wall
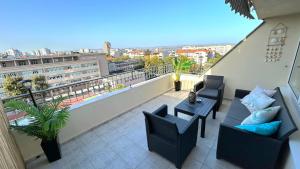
(189,80)
(245,66)
(94,112)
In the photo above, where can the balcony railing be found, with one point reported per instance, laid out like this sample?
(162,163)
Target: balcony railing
(87,89)
(78,92)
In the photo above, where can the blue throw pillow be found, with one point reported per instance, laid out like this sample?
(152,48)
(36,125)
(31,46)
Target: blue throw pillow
(265,129)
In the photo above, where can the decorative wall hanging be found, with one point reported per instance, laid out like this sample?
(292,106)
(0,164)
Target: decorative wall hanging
(276,42)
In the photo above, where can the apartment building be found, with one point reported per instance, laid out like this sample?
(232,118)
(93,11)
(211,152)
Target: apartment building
(124,66)
(58,70)
(198,55)
(222,49)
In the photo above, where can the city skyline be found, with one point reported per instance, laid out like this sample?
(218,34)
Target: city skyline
(64,26)
(101,48)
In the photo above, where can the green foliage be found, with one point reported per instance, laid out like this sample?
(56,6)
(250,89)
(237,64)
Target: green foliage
(45,121)
(118,87)
(155,61)
(195,68)
(13,87)
(181,63)
(39,82)
(120,59)
(215,59)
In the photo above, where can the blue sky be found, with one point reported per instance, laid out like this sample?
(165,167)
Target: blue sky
(74,24)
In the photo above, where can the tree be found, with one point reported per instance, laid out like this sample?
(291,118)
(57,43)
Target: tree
(120,59)
(13,87)
(147,52)
(153,60)
(182,63)
(39,82)
(168,60)
(215,59)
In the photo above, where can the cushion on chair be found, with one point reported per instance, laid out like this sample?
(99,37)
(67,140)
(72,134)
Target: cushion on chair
(265,129)
(268,92)
(261,116)
(180,123)
(213,83)
(206,92)
(257,101)
(236,113)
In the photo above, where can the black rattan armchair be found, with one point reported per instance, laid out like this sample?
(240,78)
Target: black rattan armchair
(170,136)
(211,87)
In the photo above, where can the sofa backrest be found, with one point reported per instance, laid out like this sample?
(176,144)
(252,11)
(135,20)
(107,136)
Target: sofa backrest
(161,127)
(288,125)
(213,81)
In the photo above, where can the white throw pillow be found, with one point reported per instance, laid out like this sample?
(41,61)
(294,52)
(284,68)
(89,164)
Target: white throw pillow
(268,92)
(261,116)
(257,101)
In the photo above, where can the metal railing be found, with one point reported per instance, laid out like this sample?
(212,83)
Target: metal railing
(80,91)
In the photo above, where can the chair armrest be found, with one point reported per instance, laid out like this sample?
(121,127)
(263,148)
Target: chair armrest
(247,149)
(161,111)
(193,122)
(239,93)
(198,86)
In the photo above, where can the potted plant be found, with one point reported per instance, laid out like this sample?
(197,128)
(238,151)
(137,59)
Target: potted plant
(45,122)
(179,64)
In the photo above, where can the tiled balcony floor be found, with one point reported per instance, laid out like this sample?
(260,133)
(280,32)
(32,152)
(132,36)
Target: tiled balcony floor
(121,143)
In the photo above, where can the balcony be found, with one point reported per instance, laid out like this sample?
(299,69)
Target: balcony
(121,142)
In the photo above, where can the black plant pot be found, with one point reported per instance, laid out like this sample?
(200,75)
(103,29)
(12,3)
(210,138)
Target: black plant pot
(51,149)
(177,85)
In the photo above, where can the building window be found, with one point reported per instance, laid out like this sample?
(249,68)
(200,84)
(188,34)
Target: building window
(46,61)
(34,62)
(22,63)
(3,64)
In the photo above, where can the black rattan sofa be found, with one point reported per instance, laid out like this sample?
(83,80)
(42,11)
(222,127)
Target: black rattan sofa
(211,87)
(250,150)
(170,136)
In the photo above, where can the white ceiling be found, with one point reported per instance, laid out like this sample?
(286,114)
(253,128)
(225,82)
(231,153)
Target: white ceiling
(273,8)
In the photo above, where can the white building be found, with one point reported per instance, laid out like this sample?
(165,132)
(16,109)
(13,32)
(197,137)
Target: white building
(84,50)
(135,53)
(198,55)
(13,52)
(44,52)
(58,69)
(221,49)
(115,53)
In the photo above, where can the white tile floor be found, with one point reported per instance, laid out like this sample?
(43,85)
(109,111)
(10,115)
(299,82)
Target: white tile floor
(121,143)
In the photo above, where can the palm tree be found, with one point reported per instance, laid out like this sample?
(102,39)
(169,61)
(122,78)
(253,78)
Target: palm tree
(45,123)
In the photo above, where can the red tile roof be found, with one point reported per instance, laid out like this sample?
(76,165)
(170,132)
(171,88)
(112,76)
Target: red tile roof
(182,51)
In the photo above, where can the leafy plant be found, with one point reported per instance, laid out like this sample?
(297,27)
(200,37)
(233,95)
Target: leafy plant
(39,82)
(118,87)
(13,87)
(45,121)
(180,64)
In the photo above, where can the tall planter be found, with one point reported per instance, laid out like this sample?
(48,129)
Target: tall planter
(177,85)
(52,149)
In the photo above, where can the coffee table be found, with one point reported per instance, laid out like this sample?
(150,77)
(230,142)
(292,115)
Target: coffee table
(202,109)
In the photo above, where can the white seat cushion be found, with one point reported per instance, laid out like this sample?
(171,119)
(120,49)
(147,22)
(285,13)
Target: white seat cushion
(257,101)
(268,92)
